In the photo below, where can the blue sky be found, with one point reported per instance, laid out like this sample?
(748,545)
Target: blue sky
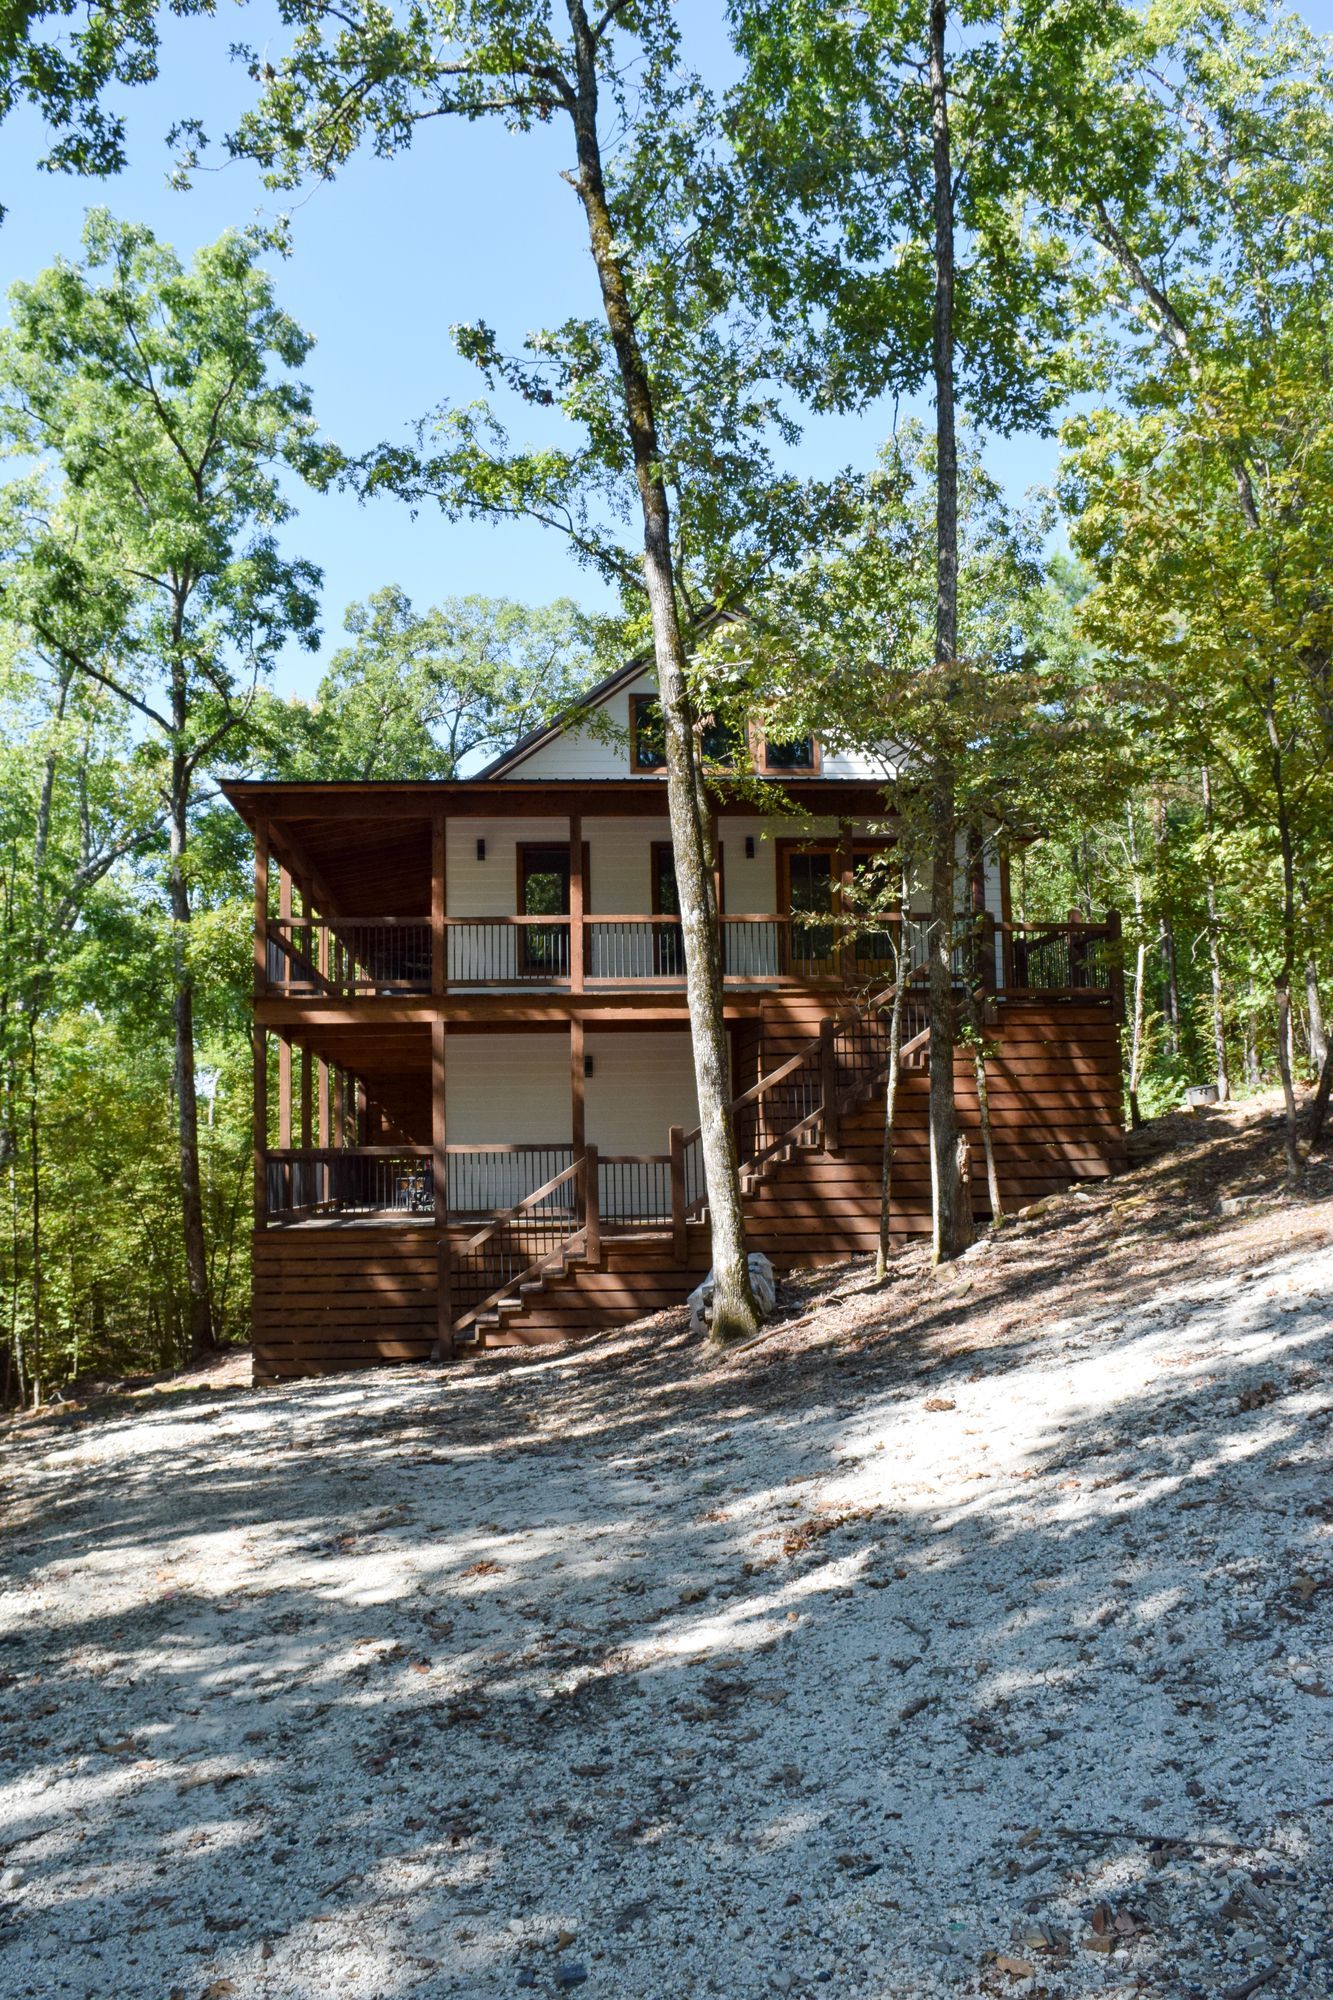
(471,223)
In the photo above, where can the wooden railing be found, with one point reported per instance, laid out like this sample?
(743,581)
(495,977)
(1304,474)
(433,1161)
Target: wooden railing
(352,957)
(540,1234)
(400,1180)
(356,957)
(801,1102)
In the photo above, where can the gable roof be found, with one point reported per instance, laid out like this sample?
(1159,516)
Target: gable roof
(600,692)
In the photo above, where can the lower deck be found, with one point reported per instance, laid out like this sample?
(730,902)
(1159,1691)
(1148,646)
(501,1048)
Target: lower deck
(603,1241)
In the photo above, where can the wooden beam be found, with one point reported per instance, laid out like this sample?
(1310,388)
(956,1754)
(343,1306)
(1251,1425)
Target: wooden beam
(576,903)
(261,909)
(259,1046)
(439,905)
(548,798)
(845,873)
(679,1235)
(284,1091)
(439,1127)
(577,1084)
(307,1099)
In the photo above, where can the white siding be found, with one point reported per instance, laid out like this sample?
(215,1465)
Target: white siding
(642,1083)
(507,1089)
(515,1089)
(577,754)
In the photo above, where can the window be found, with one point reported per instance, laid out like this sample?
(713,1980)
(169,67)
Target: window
(801,753)
(647,737)
(647,734)
(543,887)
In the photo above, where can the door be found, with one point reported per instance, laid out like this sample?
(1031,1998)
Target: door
(543,891)
(668,943)
(809,884)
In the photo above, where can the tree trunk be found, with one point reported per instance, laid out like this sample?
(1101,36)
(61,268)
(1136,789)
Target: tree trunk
(36,1346)
(902,970)
(947,1234)
(1253,1073)
(1138,1024)
(187,1102)
(1282,984)
(734,1313)
(1317,1033)
(1319,1109)
(1215,951)
(978,1041)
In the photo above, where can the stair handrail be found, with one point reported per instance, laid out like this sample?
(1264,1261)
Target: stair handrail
(582,1171)
(817,1049)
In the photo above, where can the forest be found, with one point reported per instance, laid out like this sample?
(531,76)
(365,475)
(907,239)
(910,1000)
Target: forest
(1107,223)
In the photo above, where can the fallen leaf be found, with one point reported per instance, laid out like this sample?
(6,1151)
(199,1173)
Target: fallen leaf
(939,1403)
(1017,1968)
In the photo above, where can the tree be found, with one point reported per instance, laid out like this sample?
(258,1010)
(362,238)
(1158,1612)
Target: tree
(844,646)
(898,149)
(64,70)
(419,694)
(157,574)
(1200,495)
(668,384)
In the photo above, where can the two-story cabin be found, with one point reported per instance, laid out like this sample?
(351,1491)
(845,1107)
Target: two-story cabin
(475,1114)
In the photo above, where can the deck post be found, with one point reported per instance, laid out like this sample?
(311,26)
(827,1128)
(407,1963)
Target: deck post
(679,1234)
(578,1116)
(577,888)
(307,1101)
(592,1217)
(444,1317)
(828,1081)
(1006,920)
(846,872)
(439,907)
(259,1044)
(261,908)
(987,952)
(284,1093)
(1116,963)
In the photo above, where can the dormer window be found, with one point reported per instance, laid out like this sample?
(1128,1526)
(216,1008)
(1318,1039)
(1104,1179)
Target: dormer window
(796,754)
(647,734)
(647,738)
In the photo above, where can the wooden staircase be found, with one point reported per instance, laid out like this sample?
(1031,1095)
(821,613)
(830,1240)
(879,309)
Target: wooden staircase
(797,1109)
(497,1316)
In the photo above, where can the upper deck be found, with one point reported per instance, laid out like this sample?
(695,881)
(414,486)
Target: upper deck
(382,896)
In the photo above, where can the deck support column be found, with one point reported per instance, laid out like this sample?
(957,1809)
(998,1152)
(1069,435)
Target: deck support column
(845,874)
(284,1093)
(439,907)
(259,1043)
(679,1236)
(578,1121)
(439,1140)
(261,909)
(577,899)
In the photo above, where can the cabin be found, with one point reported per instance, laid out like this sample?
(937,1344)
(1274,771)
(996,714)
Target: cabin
(475,1114)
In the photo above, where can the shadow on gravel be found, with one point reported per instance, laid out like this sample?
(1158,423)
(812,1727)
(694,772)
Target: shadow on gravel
(417,1602)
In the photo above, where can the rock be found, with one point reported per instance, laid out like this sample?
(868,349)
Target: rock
(570,1975)
(12,1878)
(761,1284)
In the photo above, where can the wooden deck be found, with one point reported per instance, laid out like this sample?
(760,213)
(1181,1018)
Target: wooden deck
(333,1294)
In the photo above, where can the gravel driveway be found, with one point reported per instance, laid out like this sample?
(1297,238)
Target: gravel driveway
(891,1664)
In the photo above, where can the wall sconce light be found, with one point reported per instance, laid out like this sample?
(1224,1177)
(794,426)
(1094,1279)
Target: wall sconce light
(749,847)
(587,1065)
(481,850)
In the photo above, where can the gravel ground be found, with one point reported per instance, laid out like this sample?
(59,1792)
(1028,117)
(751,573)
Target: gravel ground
(969,1637)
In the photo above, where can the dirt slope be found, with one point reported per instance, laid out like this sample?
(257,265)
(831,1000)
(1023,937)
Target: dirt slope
(969,1637)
